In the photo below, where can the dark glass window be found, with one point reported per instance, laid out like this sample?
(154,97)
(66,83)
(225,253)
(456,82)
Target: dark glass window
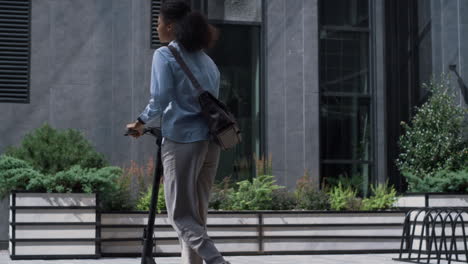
(345,95)
(237,55)
(353,13)
(344,61)
(345,123)
(408,38)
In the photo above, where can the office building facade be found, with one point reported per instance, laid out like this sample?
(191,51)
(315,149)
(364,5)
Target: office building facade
(319,85)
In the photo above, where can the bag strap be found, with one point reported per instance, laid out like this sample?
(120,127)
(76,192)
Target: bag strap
(186,69)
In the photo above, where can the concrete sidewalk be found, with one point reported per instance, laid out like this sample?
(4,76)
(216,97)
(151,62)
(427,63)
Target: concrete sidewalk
(287,259)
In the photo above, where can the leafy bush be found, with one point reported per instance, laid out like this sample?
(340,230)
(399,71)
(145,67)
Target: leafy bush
(135,180)
(220,195)
(220,199)
(441,181)
(49,160)
(354,182)
(78,179)
(383,197)
(16,174)
(355,204)
(255,195)
(434,141)
(119,198)
(144,201)
(309,196)
(282,199)
(50,151)
(343,198)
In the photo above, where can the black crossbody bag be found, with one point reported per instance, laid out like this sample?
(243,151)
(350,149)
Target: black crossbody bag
(222,124)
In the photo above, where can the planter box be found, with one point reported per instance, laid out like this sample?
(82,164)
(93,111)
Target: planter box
(4,219)
(447,200)
(262,232)
(53,225)
(68,225)
(417,200)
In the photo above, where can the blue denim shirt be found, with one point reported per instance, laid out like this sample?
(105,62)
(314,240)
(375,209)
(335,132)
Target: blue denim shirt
(175,99)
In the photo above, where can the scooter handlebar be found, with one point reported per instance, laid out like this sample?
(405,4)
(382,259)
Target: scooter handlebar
(155,131)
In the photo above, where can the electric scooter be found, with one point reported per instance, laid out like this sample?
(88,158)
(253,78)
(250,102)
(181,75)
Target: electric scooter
(148,240)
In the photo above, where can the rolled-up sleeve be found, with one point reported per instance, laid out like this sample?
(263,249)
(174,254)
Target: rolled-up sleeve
(161,80)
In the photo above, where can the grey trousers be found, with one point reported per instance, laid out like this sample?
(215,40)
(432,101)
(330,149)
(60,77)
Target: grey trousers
(189,172)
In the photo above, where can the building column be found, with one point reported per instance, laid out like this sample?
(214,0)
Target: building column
(377,15)
(292,89)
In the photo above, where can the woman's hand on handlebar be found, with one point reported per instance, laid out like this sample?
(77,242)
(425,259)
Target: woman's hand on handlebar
(137,126)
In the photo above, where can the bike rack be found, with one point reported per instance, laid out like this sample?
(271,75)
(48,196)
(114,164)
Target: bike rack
(436,233)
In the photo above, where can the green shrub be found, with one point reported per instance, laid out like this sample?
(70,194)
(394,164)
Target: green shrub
(343,198)
(8,163)
(219,199)
(383,197)
(50,151)
(354,182)
(135,178)
(355,204)
(310,197)
(78,179)
(220,195)
(16,174)
(118,198)
(144,201)
(255,195)
(104,181)
(282,199)
(441,181)
(434,141)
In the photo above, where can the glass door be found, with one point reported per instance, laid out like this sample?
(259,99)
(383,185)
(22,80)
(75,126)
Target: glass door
(345,93)
(237,55)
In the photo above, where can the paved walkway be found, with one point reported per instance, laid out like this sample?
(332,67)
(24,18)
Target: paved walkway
(288,259)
